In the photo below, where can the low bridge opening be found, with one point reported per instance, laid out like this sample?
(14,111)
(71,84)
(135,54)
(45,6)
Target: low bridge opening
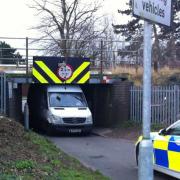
(109,103)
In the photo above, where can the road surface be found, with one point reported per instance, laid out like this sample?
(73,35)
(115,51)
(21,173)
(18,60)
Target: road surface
(112,157)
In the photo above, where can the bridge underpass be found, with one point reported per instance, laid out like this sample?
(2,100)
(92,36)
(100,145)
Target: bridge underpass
(109,103)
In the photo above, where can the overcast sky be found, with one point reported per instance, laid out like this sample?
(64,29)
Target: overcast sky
(16,18)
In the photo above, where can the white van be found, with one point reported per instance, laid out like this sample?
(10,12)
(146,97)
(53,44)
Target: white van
(60,108)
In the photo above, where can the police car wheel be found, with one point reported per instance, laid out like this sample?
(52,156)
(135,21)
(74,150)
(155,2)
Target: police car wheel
(137,155)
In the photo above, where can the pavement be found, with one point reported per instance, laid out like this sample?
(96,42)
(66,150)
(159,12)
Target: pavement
(114,158)
(101,131)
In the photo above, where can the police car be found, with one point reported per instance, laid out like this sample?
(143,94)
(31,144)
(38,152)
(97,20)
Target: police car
(166,150)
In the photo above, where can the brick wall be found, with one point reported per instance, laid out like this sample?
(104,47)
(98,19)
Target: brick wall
(121,102)
(110,104)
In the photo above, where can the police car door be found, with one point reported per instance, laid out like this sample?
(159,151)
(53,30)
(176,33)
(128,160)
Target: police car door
(174,153)
(160,146)
(174,148)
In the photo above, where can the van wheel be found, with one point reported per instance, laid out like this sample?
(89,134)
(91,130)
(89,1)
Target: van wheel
(86,133)
(47,129)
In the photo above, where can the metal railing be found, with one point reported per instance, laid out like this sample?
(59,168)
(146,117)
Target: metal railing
(165,107)
(104,54)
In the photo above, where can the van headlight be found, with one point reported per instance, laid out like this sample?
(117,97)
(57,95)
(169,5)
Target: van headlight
(54,119)
(89,120)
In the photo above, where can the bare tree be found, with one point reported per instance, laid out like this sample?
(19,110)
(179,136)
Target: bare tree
(156,50)
(63,22)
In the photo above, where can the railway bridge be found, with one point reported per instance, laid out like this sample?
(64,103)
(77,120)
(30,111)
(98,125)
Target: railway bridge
(107,94)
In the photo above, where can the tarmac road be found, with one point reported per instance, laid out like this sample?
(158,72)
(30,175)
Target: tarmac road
(112,157)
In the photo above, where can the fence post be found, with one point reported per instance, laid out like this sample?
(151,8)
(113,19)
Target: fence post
(101,64)
(26,117)
(1,107)
(176,102)
(27,43)
(178,105)
(131,102)
(4,86)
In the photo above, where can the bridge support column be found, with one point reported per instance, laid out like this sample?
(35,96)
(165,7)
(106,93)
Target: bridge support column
(109,103)
(121,102)
(14,109)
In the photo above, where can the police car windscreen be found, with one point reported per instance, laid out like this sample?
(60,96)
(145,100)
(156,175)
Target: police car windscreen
(70,99)
(175,130)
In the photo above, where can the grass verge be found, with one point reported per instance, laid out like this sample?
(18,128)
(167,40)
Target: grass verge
(29,156)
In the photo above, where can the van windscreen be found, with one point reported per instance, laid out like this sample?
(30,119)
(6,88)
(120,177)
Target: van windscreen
(67,99)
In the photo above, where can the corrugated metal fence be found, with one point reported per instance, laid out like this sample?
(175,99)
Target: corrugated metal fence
(165,108)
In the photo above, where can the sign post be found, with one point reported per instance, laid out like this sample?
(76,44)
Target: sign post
(145,148)
(157,11)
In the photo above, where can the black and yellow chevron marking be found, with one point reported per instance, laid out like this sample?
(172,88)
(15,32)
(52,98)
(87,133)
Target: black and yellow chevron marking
(38,76)
(45,70)
(78,71)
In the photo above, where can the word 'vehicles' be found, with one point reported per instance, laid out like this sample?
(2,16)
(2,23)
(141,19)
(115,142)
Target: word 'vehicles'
(154,8)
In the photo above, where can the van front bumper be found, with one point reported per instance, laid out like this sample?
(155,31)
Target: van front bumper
(72,129)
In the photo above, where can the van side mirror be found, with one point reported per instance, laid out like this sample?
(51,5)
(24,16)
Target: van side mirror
(163,132)
(58,98)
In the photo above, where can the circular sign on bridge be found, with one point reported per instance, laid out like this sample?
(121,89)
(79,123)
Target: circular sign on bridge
(64,71)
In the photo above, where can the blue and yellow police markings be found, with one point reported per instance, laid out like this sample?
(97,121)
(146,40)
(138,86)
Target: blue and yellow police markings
(160,146)
(167,152)
(174,153)
(58,70)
